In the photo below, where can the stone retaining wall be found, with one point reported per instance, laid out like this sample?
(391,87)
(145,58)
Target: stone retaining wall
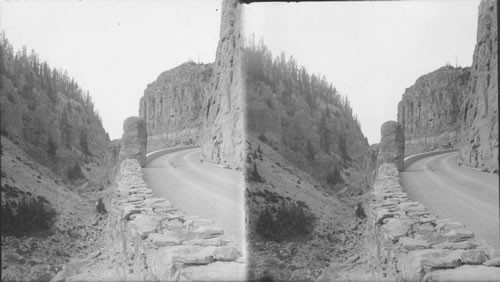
(155,154)
(148,238)
(156,241)
(413,158)
(408,243)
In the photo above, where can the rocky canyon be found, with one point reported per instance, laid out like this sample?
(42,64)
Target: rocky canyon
(455,107)
(202,104)
(319,204)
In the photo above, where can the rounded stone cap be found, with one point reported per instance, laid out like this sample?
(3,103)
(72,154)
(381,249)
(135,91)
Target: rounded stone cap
(392,144)
(134,140)
(131,123)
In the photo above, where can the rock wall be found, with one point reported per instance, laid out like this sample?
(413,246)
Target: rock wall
(172,105)
(407,243)
(479,143)
(148,238)
(429,111)
(151,240)
(223,118)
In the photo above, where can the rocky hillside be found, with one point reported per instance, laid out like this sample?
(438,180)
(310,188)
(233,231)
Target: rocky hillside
(479,142)
(51,224)
(172,105)
(222,113)
(430,109)
(301,115)
(307,167)
(296,226)
(51,118)
(55,155)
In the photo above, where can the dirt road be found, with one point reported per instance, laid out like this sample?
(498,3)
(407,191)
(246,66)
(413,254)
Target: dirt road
(450,191)
(200,189)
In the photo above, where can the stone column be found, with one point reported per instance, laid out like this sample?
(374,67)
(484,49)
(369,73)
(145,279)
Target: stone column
(134,140)
(392,145)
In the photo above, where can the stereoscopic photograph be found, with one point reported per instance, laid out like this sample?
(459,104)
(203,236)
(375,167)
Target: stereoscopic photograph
(241,140)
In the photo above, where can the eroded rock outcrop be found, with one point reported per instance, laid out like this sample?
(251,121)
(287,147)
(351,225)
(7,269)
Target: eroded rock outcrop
(223,118)
(479,143)
(172,105)
(392,145)
(134,140)
(429,111)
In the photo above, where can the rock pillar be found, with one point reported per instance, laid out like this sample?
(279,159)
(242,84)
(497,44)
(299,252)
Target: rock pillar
(392,145)
(134,140)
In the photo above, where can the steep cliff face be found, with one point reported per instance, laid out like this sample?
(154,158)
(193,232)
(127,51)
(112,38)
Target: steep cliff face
(48,116)
(430,109)
(171,105)
(479,144)
(223,118)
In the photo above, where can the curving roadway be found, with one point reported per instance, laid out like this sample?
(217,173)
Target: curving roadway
(200,189)
(448,190)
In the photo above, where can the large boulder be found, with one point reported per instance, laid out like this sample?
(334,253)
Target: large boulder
(392,145)
(134,140)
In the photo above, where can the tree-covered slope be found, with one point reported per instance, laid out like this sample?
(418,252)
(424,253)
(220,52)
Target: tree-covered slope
(301,115)
(50,117)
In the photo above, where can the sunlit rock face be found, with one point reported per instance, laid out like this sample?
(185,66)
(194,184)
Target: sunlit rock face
(171,105)
(479,119)
(222,135)
(429,111)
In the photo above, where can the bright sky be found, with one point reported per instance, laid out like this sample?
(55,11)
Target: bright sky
(370,51)
(114,49)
